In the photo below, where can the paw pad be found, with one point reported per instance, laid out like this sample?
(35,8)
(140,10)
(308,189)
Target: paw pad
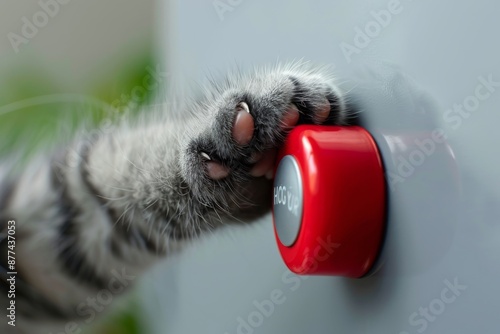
(243,126)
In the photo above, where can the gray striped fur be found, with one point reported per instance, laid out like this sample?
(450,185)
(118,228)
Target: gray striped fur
(113,204)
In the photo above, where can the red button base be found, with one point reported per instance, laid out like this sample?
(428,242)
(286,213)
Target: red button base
(344,195)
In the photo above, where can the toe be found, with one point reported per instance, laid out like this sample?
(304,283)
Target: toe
(217,171)
(243,127)
(256,156)
(265,164)
(290,118)
(322,112)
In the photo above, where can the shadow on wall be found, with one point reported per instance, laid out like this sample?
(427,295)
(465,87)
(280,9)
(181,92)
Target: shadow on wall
(422,177)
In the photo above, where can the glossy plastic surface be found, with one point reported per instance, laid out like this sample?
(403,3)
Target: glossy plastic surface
(343,201)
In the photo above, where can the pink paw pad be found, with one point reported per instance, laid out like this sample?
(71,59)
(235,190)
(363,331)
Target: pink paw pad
(290,118)
(322,113)
(243,125)
(217,171)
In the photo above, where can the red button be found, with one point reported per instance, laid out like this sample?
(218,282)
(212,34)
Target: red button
(339,205)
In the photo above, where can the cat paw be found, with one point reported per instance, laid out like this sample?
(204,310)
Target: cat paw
(251,123)
(228,149)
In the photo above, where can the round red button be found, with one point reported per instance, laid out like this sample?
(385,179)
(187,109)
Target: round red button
(329,201)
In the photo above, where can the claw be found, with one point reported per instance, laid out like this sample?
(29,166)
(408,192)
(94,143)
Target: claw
(243,106)
(206,156)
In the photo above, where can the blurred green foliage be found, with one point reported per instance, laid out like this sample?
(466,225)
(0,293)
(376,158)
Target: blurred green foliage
(35,110)
(122,321)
